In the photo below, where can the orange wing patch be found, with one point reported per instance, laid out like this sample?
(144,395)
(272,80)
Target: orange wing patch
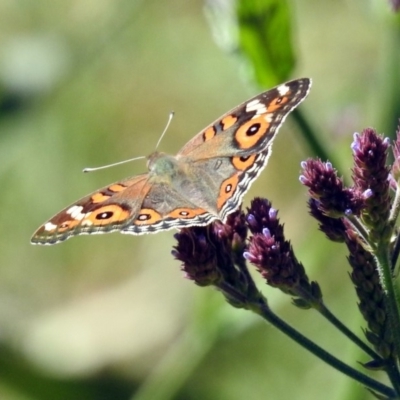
(147,216)
(99,198)
(116,188)
(66,226)
(277,103)
(180,213)
(228,121)
(209,133)
(243,163)
(250,133)
(110,214)
(227,189)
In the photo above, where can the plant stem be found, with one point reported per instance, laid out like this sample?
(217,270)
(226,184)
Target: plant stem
(391,299)
(394,212)
(346,331)
(393,374)
(358,227)
(395,254)
(261,308)
(311,137)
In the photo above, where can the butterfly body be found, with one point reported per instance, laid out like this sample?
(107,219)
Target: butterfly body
(205,181)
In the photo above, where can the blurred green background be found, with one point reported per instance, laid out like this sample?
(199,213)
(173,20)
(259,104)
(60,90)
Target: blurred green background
(90,82)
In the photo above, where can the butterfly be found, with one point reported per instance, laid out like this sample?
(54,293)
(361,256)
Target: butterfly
(204,182)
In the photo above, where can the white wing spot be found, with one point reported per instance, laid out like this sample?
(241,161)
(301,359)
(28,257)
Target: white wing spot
(256,105)
(49,227)
(74,209)
(252,103)
(283,89)
(268,117)
(75,212)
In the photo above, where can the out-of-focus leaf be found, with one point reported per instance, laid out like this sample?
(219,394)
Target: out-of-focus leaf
(265,39)
(260,32)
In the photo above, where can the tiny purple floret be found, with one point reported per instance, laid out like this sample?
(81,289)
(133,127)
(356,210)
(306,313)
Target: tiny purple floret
(272,213)
(303,179)
(367,194)
(267,233)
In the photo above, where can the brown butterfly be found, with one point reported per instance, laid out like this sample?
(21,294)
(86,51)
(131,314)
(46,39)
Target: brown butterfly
(205,181)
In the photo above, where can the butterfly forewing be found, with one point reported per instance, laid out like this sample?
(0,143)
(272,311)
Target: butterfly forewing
(250,127)
(105,210)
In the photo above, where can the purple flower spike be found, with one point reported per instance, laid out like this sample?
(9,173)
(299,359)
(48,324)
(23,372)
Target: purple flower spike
(328,189)
(370,176)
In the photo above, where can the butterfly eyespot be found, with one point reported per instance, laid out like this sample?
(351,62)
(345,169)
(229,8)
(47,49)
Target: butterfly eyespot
(186,213)
(147,216)
(243,163)
(277,103)
(104,215)
(67,225)
(226,190)
(253,129)
(252,132)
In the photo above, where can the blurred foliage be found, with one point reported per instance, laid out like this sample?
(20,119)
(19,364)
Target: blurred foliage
(266,25)
(89,82)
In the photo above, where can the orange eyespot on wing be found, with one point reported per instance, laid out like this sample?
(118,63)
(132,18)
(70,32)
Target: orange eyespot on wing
(252,132)
(227,190)
(277,103)
(147,216)
(109,214)
(186,213)
(243,163)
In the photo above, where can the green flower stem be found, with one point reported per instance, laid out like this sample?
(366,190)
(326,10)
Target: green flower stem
(258,304)
(382,256)
(394,212)
(390,367)
(261,308)
(311,137)
(393,374)
(346,331)
(359,228)
(395,255)
(319,306)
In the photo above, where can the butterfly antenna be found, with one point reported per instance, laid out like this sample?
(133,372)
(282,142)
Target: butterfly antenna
(113,165)
(171,115)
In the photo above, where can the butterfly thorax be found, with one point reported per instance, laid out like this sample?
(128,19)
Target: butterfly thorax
(162,165)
